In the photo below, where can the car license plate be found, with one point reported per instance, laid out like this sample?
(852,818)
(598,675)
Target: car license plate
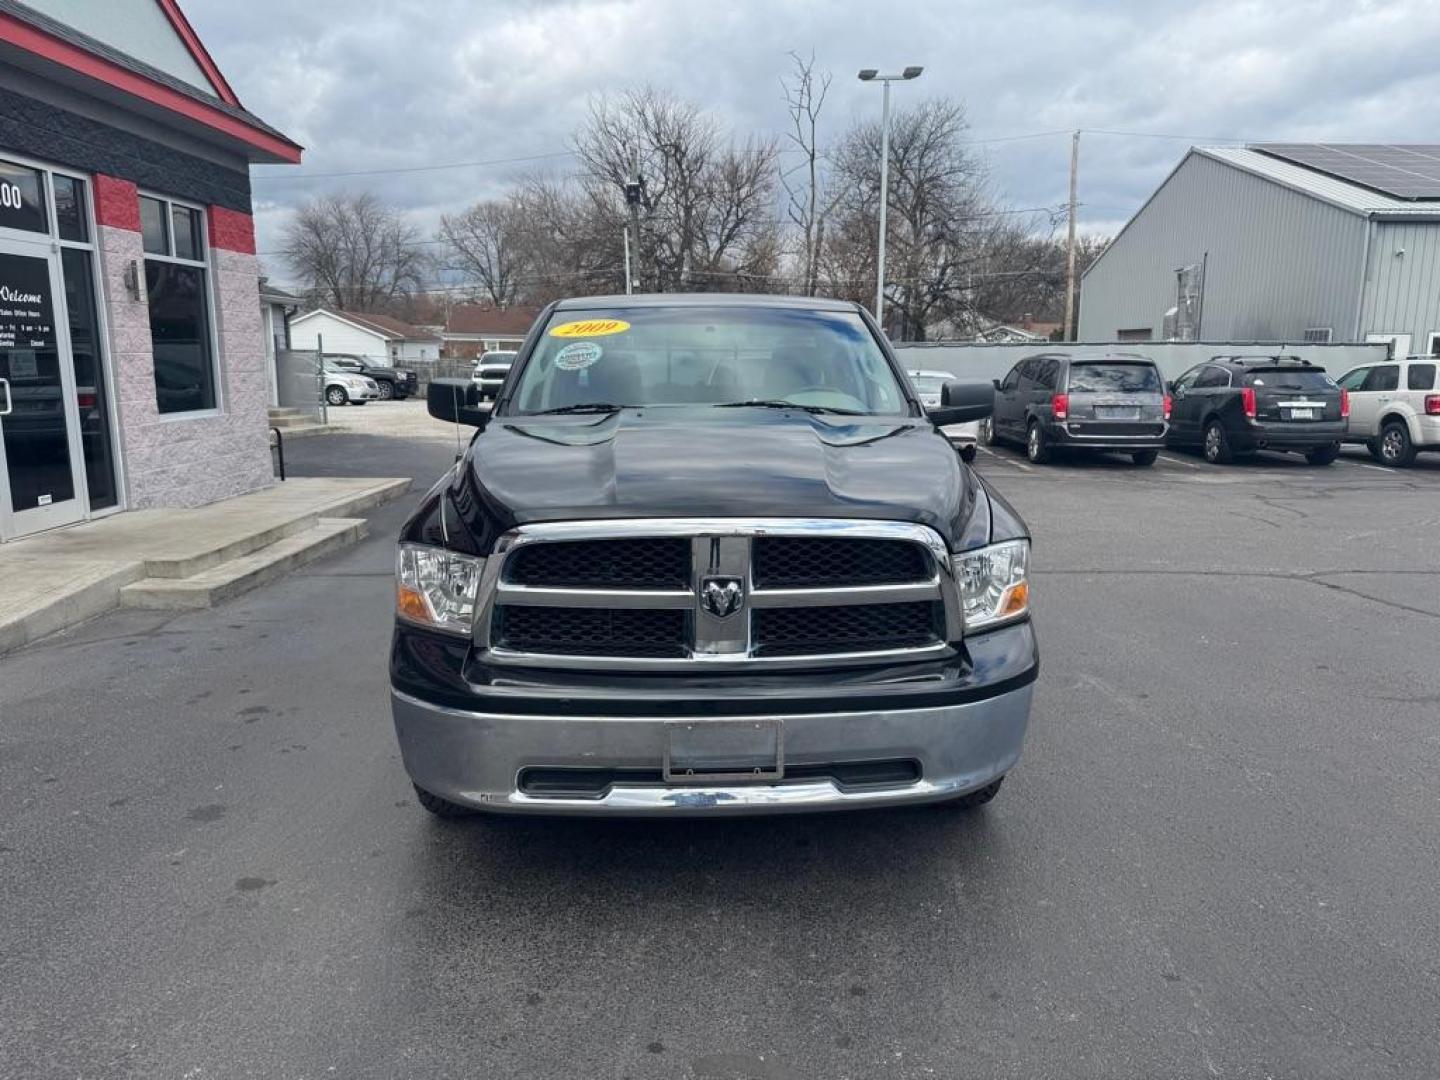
(1116,412)
(1302,414)
(702,751)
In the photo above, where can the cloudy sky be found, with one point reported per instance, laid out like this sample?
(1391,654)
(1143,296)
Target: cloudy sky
(406,83)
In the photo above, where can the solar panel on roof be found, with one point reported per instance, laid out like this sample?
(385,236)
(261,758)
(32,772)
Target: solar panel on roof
(1403,171)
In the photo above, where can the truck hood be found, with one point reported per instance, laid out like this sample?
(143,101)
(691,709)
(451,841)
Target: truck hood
(708,463)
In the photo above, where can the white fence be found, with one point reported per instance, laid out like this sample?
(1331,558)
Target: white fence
(976,361)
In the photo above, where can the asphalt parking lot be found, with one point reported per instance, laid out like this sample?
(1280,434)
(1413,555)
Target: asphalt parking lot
(1217,858)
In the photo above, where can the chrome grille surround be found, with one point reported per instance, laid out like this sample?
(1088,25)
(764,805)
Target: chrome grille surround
(720,547)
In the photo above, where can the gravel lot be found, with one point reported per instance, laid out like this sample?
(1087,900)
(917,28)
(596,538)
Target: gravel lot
(1218,857)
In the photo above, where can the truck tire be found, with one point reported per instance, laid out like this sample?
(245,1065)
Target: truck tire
(1323,455)
(977,798)
(1037,447)
(442,808)
(1216,446)
(1395,445)
(387,389)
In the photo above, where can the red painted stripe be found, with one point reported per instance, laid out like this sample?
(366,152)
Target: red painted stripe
(24,36)
(232,230)
(198,50)
(117,203)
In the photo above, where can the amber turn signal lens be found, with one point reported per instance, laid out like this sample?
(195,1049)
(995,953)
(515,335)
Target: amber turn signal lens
(1018,600)
(410,603)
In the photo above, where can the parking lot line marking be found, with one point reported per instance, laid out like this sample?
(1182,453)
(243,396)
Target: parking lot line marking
(1006,460)
(1362,465)
(1178,461)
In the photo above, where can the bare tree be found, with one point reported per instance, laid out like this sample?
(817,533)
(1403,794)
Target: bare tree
(710,203)
(485,243)
(354,252)
(944,227)
(805,91)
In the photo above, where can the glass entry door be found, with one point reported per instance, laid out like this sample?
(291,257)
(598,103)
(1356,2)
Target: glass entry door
(41,468)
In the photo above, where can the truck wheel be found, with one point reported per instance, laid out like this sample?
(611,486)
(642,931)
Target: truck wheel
(336,395)
(1217,446)
(987,432)
(977,798)
(442,808)
(1037,447)
(387,390)
(1395,445)
(1144,457)
(1323,455)
(967,454)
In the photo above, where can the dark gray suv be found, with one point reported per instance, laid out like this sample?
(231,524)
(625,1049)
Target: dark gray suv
(1115,402)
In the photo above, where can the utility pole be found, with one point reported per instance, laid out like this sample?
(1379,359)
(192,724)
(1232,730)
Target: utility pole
(634,195)
(1070,243)
(629,281)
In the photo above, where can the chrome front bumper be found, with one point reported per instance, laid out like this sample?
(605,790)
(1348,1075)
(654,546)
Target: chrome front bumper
(475,758)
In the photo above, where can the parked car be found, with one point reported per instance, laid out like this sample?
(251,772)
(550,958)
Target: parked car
(1112,402)
(1394,408)
(929,385)
(1236,405)
(397,383)
(343,386)
(771,588)
(490,372)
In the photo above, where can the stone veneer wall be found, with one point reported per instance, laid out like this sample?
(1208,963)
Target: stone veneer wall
(175,460)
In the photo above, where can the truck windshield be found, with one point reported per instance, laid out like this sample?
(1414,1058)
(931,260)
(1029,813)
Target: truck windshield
(1114,379)
(822,361)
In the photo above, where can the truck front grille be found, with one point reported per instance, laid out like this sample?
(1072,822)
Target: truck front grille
(592,631)
(798,562)
(854,628)
(648,594)
(641,562)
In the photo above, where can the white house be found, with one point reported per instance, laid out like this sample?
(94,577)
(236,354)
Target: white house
(375,337)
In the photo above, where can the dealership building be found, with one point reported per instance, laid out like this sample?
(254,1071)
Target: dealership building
(1279,242)
(132,350)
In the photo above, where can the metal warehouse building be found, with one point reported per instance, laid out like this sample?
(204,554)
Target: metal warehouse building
(1278,242)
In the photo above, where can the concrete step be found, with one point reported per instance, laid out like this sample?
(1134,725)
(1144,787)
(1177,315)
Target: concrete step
(245,572)
(285,423)
(304,431)
(280,411)
(246,538)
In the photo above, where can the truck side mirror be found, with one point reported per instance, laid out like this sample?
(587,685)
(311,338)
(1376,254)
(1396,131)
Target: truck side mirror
(456,401)
(995,383)
(962,403)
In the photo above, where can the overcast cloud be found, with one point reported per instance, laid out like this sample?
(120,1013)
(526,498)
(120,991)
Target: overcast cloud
(382,85)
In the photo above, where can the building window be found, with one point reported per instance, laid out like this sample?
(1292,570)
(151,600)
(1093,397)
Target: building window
(177,280)
(22,198)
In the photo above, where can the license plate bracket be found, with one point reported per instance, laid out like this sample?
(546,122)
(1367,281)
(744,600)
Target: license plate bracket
(1116,412)
(708,751)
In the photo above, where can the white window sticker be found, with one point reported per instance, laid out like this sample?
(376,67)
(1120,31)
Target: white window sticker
(578,356)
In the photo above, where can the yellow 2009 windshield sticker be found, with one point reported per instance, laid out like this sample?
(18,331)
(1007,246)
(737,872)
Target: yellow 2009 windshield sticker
(590,328)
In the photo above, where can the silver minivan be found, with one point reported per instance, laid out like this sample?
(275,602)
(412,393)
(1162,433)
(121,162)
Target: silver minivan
(1114,402)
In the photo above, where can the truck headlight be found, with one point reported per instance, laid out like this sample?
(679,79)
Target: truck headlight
(994,583)
(437,588)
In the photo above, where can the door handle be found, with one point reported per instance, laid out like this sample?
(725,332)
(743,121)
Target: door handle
(9,404)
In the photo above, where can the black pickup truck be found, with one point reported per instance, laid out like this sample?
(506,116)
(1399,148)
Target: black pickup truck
(709,555)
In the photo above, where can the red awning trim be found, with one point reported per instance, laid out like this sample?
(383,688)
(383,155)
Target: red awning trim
(41,44)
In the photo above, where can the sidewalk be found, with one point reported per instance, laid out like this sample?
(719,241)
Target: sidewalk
(179,559)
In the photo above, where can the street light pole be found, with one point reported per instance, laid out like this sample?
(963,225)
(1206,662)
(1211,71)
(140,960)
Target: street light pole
(873,75)
(884,206)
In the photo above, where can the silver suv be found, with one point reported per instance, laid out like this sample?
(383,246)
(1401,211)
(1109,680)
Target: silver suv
(1395,408)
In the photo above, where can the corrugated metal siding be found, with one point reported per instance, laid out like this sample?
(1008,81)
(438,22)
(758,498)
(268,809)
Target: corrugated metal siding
(1402,295)
(1279,262)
